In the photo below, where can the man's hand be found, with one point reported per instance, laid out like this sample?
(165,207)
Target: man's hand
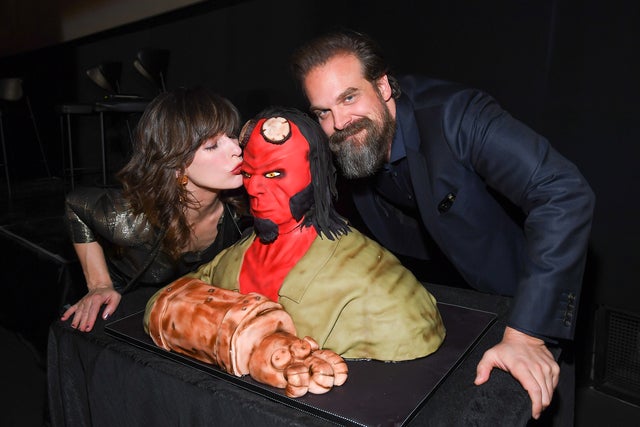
(529,361)
(86,310)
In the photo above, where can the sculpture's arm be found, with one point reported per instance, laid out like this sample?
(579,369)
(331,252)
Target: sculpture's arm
(241,334)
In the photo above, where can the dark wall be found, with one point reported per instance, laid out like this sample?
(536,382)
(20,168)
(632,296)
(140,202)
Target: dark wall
(567,68)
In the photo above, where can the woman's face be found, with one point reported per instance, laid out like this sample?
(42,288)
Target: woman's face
(216,165)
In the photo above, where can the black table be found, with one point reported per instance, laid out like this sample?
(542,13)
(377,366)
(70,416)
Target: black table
(96,379)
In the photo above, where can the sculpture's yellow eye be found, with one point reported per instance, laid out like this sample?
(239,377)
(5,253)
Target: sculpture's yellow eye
(272,174)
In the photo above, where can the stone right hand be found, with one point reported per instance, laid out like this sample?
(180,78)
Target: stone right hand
(283,360)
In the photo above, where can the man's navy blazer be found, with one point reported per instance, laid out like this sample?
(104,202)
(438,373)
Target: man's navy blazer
(459,144)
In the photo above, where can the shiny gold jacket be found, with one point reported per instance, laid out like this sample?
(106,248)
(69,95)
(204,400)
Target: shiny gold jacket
(128,240)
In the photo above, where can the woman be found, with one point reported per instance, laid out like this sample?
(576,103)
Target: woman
(176,209)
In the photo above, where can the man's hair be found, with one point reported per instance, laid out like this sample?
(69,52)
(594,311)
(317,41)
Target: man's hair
(319,209)
(319,50)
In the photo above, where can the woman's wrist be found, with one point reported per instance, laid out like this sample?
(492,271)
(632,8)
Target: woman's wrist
(100,286)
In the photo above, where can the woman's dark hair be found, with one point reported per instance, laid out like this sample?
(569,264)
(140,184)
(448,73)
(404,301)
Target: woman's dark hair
(321,213)
(319,50)
(172,128)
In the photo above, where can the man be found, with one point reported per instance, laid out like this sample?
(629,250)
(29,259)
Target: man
(436,163)
(342,289)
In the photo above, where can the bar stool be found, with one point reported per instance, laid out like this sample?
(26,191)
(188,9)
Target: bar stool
(107,76)
(121,106)
(66,112)
(5,160)
(11,90)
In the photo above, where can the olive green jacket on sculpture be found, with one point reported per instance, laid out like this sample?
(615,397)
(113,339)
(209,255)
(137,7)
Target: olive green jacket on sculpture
(349,294)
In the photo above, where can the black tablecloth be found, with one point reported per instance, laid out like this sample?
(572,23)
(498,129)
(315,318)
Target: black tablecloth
(98,380)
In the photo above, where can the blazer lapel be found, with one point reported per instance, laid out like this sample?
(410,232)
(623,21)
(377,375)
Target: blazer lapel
(418,165)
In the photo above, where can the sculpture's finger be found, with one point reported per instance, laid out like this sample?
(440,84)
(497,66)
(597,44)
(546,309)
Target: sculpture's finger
(321,375)
(313,343)
(280,358)
(337,363)
(297,376)
(300,349)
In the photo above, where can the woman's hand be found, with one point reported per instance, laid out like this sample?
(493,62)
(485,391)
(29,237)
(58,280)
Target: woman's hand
(85,311)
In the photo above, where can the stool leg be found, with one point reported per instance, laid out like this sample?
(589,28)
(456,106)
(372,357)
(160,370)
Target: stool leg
(62,147)
(37,133)
(71,167)
(4,159)
(104,150)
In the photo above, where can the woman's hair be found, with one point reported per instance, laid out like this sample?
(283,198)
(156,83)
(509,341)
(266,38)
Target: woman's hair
(172,128)
(319,50)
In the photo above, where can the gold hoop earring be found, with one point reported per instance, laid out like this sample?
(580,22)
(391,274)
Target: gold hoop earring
(183,180)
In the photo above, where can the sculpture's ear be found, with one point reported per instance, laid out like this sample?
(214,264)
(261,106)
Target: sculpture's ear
(245,132)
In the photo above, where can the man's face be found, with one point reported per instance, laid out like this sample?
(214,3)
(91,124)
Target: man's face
(353,113)
(273,173)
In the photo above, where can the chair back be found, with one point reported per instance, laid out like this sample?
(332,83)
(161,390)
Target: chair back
(107,76)
(153,64)
(11,89)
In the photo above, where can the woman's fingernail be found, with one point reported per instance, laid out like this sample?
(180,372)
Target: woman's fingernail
(105,315)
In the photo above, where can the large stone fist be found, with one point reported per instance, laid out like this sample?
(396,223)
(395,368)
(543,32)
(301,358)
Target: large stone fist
(283,360)
(241,334)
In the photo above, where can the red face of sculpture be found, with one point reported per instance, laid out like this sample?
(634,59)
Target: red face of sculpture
(275,168)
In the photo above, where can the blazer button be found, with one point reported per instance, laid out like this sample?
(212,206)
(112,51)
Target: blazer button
(446,203)
(568,317)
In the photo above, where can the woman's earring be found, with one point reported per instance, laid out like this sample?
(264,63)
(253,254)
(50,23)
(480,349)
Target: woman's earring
(183,180)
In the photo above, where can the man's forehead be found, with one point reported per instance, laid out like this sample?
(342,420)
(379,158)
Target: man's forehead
(331,81)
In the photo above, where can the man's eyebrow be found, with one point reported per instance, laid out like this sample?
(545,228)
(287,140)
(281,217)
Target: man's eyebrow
(347,92)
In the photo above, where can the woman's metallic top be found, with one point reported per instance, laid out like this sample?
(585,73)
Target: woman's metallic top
(128,240)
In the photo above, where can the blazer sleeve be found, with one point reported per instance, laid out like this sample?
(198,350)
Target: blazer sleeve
(556,199)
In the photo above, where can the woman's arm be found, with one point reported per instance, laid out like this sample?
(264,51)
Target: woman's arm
(94,265)
(100,288)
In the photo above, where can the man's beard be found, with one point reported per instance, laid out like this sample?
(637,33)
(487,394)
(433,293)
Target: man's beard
(358,159)
(266,229)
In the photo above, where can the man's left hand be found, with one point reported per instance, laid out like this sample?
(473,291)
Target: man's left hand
(529,361)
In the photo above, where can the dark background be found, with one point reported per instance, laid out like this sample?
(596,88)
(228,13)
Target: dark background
(567,68)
